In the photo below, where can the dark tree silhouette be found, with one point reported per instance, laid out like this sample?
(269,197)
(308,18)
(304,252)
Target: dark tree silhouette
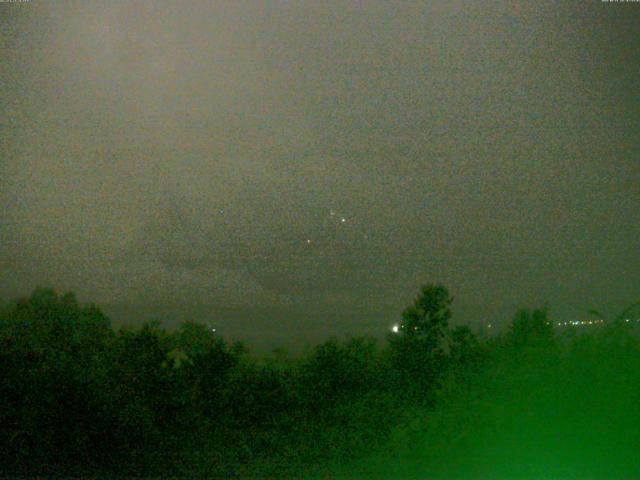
(429,315)
(418,350)
(464,347)
(531,328)
(80,399)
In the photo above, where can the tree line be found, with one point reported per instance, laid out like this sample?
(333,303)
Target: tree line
(79,398)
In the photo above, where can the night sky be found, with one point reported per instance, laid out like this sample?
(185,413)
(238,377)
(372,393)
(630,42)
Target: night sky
(291,170)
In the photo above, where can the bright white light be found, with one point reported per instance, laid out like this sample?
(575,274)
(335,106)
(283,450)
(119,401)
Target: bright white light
(343,220)
(395,329)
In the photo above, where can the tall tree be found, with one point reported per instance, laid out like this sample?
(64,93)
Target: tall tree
(430,313)
(417,350)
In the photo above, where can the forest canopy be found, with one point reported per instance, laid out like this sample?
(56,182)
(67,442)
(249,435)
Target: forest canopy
(81,398)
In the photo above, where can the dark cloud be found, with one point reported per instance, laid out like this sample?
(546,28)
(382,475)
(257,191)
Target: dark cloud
(170,152)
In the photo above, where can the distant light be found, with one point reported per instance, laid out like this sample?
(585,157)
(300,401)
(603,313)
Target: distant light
(395,329)
(559,323)
(343,219)
(308,240)
(213,329)
(489,326)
